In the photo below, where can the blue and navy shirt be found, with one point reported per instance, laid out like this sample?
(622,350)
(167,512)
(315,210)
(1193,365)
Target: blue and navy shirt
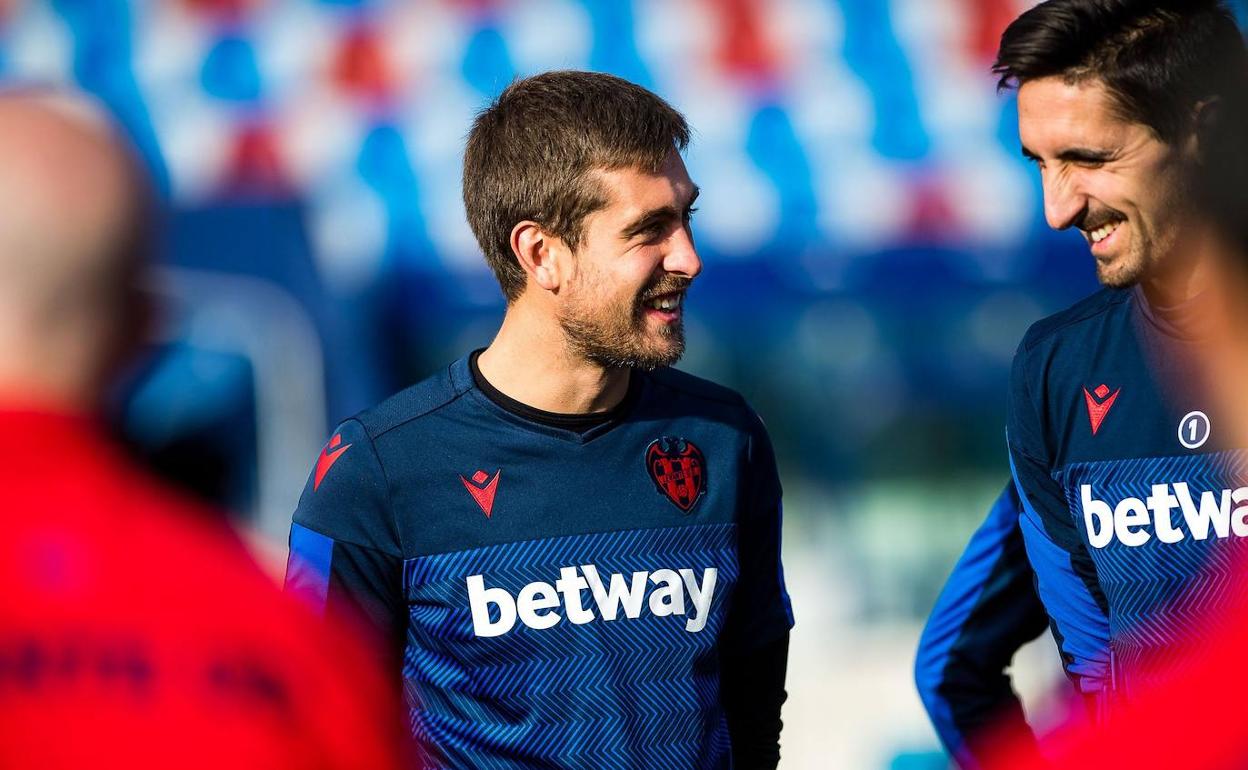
(559,598)
(1132,500)
(987,610)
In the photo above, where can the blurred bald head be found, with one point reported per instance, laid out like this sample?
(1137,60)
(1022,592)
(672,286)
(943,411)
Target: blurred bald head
(73,225)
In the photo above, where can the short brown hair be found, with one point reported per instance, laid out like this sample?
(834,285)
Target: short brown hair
(531,154)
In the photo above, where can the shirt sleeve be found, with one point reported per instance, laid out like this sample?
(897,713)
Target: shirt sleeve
(1066,578)
(755,654)
(752,690)
(345,556)
(987,610)
(761,611)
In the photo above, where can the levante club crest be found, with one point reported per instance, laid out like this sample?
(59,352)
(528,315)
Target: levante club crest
(678,470)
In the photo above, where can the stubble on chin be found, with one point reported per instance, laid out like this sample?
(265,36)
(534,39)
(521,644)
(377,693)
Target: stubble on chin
(622,344)
(1123,272)
(1116,277)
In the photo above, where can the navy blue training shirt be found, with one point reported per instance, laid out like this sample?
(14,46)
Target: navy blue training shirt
(561,597)
(1132,498)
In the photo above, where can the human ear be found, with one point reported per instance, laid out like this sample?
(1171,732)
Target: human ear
(1203,140)
(538,253)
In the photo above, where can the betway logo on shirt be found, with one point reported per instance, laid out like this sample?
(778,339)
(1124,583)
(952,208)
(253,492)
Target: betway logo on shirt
(538,605)
(1134,521)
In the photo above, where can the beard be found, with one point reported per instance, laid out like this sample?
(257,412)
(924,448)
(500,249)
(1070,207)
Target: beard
(1125,268)
(614,333)
(1122,273)
(1146,257)
(1155,240)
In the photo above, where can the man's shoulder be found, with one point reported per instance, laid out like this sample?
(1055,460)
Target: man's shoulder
(426,397)
(1078,319)
(684,389)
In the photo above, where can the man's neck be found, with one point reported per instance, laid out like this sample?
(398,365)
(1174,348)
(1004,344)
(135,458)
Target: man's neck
(1188,273)
(41,374)
(529,361)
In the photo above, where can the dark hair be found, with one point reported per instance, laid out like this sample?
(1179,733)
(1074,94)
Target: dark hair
(532,153)
(1158,59)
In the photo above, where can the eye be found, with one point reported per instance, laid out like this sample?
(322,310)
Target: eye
(653,232)
(689,214)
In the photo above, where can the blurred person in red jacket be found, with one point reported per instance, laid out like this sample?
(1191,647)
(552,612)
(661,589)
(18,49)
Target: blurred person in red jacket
(134,630)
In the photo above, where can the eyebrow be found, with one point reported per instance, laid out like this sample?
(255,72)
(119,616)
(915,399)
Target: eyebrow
(648,219)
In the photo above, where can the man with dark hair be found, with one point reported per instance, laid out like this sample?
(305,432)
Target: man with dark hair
(1165,69)
(1127,476)
(1130,492)
(574,550)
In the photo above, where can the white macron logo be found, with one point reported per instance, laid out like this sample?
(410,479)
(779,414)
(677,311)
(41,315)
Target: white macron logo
(1131,519)
(536,604)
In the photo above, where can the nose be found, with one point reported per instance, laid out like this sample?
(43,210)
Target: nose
(1064,203)
(682,256)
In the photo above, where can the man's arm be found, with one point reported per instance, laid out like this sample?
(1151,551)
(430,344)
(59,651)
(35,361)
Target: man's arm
(345,556)
(986,611)
(753,663)
(752,691)
(1066,578)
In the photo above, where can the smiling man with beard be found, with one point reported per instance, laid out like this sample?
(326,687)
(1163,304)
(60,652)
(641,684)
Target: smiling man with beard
(1130,479)
(574,550)
(1125,423)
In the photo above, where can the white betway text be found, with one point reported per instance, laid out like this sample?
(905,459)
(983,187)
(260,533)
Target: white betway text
(1133,522)
(670,592)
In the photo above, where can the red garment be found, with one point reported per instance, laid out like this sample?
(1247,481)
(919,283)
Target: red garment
(1192,719)
(135,632)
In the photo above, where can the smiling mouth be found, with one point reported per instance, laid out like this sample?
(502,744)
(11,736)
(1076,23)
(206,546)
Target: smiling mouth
(1101,233)
(666,302)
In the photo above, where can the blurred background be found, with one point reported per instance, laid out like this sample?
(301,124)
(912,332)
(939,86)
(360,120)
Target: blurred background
(874,243)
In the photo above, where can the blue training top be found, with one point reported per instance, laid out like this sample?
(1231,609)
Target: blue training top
(1131,495)
(561,599)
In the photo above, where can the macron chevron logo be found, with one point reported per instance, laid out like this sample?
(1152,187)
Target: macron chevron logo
(1099,402)
(328,458)
(483,491)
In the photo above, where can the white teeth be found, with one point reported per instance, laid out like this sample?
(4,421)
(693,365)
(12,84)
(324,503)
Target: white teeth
(1103,232)
(669,302)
